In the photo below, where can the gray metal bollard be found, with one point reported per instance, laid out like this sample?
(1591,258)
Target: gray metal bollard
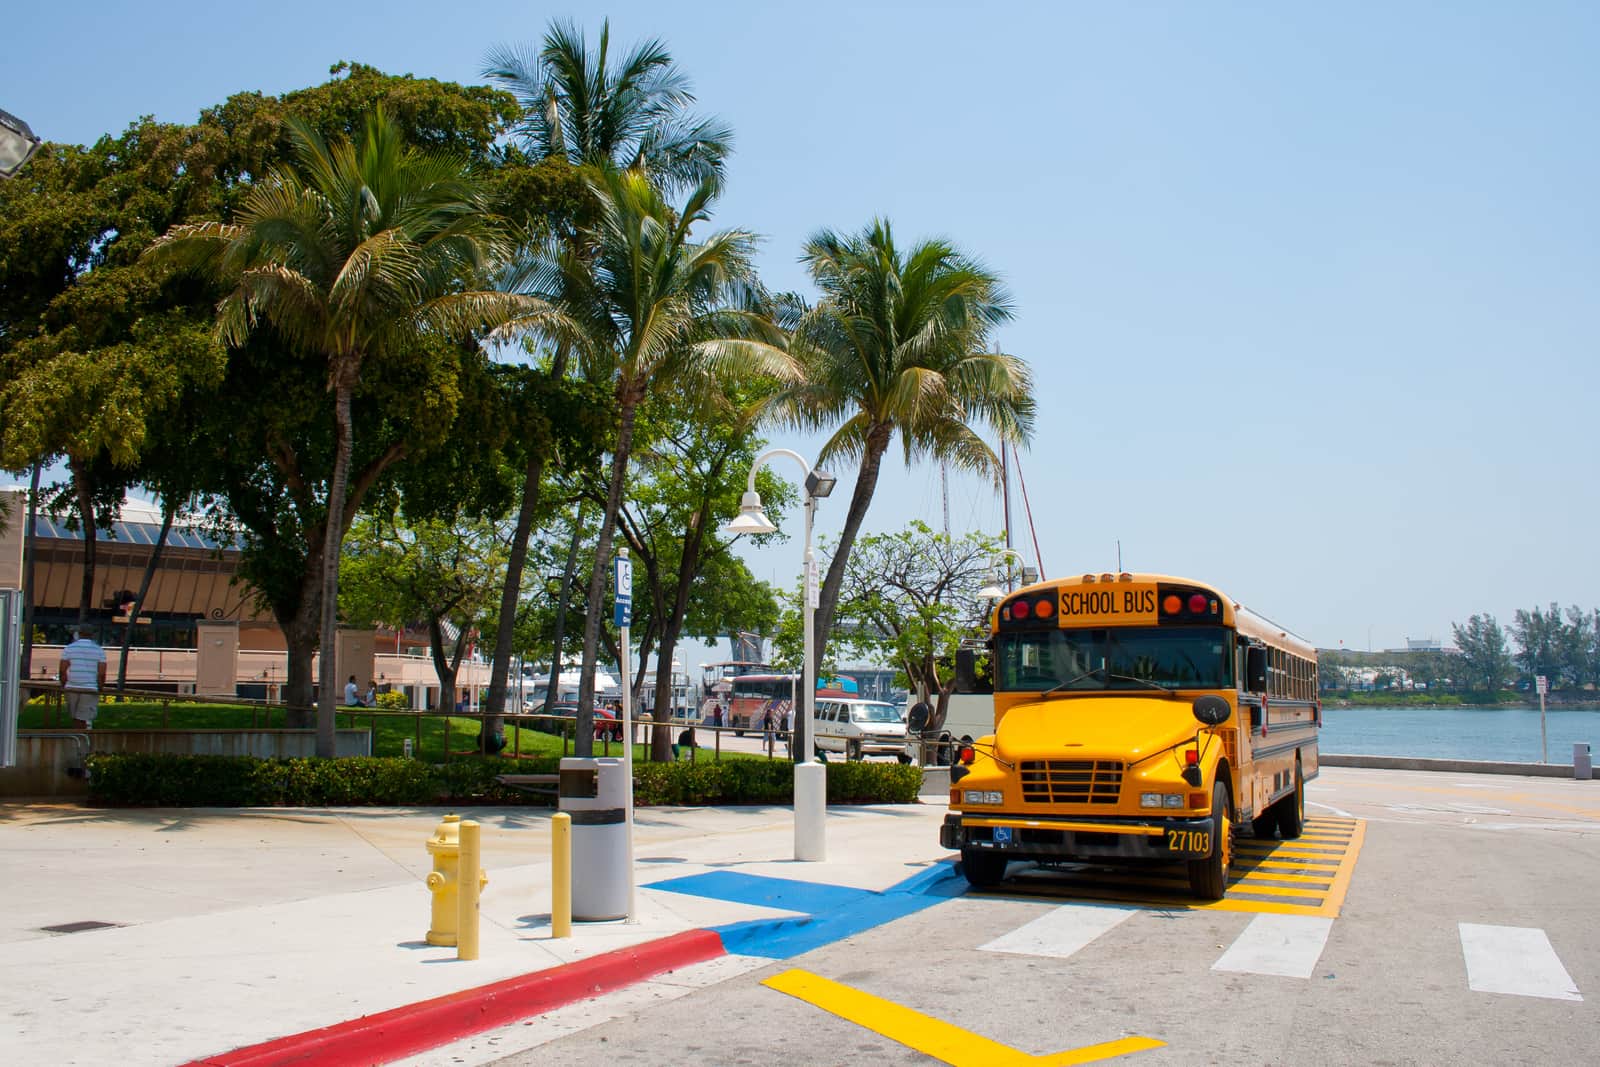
(594,793)
(1582,765)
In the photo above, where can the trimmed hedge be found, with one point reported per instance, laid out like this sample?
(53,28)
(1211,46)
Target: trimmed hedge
(173,781)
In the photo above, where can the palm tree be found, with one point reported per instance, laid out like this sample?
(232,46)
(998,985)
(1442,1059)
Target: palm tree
(634,114)
(356,252)
(651,311)
(580,107)
(896,345)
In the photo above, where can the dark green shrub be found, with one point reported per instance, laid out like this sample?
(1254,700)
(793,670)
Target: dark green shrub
(160,780)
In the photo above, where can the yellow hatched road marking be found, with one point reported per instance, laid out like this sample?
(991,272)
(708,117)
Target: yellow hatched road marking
(933,1037)
(1327,872)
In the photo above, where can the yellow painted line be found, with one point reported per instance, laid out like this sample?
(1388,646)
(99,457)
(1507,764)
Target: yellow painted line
(1328,866)
(934,1037)
(1276,876)
(1277,891)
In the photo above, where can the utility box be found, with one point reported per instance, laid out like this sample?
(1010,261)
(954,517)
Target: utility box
(1582,764)
(595,793)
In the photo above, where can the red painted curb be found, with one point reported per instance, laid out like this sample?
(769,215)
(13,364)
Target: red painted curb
(416,1028)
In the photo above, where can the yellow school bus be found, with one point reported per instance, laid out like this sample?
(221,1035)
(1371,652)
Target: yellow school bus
(1139,718)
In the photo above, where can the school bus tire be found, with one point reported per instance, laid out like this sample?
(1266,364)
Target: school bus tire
(1292,808)
(1208,878)
(983,869)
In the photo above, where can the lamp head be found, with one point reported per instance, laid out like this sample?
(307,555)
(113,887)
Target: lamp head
(751,518)
(17,144)
(819,483)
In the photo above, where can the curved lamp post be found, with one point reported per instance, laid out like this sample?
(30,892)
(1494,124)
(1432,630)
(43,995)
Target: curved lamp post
(17,144)
(810,776)
(993,591)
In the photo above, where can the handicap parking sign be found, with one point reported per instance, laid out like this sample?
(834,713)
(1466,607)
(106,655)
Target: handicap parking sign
(1002,835)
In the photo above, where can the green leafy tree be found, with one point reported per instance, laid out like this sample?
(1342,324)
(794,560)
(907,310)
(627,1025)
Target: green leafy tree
(895,346)
(358,252)
(689,476)
(911,599)
(1540,642)
(442,574)
(1485,660)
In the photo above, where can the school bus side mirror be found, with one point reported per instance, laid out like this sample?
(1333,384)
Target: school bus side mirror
(1255,669)
(1212,711)
(917,718)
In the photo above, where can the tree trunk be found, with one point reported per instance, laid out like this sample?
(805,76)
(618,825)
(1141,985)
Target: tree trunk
(495,703)
(169,510)
(602,567)
(446,666)
(80,484)
(333,538)
(30,544)
(300,638)
(552,689)
(860,499)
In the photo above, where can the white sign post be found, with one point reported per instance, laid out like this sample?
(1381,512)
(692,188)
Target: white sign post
(1542,684)
(622,600)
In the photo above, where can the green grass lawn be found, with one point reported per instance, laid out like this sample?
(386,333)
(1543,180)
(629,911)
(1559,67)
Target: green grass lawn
(390,730)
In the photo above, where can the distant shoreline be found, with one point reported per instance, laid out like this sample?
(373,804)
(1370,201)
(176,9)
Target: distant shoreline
(1399,705)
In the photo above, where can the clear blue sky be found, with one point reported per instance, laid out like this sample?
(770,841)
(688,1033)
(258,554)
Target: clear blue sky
(1310,292)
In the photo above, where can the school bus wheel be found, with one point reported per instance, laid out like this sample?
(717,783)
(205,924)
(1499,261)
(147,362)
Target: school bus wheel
(1208,878)
(1292,808)
(983,868)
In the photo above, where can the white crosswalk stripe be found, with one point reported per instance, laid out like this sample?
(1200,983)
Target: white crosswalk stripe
(1515,959)
(1285,945)
(1061,931)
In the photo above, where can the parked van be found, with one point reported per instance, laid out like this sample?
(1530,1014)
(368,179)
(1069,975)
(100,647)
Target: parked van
(860,728)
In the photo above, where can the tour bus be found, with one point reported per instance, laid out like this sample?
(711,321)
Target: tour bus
(746,689)
(1138,718)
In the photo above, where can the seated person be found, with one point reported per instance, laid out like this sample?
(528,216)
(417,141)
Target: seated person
(685,740)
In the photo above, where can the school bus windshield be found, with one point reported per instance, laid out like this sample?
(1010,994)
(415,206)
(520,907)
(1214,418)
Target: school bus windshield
(1116,658)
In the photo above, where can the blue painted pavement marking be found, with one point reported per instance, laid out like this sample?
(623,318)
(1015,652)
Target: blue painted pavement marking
(832,912)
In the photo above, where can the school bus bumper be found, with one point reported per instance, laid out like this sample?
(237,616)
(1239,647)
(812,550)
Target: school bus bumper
(1043,837)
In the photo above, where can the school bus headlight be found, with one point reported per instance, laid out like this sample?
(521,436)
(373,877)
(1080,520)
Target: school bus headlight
(1161,800)
(978,796)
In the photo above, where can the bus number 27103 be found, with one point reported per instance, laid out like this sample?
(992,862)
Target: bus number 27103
(1189,841)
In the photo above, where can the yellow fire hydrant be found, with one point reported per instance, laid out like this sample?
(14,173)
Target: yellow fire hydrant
(444,880)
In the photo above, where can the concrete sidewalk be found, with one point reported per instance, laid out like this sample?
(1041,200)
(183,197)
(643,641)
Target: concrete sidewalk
(233,927)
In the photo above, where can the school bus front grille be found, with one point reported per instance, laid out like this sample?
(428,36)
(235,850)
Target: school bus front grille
(1071,781)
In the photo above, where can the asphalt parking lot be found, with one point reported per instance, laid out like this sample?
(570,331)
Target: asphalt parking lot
(1468,932)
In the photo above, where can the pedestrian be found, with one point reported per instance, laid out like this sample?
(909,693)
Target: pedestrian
(352,698)
(370,697)
(788,729)
(685,740)
(82,672)
(769,724)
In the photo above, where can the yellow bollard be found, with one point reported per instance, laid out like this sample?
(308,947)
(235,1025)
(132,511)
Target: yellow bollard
(561,875)
(467,898)
(445,847)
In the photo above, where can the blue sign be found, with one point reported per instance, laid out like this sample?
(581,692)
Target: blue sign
(622,613)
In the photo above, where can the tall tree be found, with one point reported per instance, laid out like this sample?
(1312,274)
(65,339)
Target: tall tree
(653,311)
(358,251)
(895,345)
(579,108)
(1485,661)
(1540,642)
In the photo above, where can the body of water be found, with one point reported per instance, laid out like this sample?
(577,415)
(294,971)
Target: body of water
(1507,733)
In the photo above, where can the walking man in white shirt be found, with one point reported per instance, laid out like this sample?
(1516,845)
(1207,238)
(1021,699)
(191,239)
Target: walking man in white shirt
(82,671)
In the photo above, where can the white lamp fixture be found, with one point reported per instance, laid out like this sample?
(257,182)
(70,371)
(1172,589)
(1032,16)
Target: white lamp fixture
(17,144)
(993,590)
(752,518)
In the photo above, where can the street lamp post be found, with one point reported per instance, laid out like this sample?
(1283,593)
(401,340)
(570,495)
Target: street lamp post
(810,775)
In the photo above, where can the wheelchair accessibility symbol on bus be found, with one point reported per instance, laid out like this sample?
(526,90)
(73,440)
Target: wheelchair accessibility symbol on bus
(1002,835)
